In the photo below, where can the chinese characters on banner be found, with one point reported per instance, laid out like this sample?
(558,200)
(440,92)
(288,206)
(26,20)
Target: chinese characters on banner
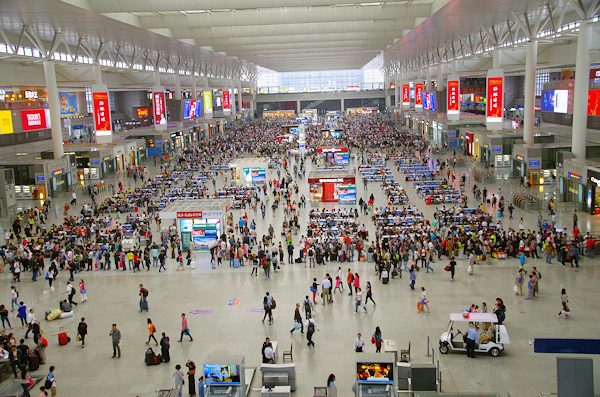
(159,108)
(418,93)
(405,95)
(208,104)
(495,99)
(33,119)
(101,113)
(453,97)
(192,108)
(226,101)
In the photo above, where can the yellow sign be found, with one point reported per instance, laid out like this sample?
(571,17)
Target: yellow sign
(6,124)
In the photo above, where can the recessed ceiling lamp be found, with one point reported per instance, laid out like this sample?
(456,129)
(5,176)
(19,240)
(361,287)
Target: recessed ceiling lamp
(371,4)
(197,12)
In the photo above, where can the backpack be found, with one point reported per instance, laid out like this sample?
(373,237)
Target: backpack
(307,308)
(144,292)
(311,327)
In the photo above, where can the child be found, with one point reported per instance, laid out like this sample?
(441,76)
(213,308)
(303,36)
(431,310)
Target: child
(338,284)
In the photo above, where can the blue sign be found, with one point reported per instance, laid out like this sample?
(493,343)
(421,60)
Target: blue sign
(534,163)
(199,108)
(431,103)
(451,134)
(95,162)
(497,149)
(40,178)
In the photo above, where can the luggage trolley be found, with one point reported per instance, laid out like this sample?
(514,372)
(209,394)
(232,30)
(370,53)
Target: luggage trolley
(166,393)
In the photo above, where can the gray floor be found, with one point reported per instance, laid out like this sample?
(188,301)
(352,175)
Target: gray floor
(238,329)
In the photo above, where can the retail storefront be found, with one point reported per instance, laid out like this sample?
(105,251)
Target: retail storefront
(332,187)
(573,183)
(593,190)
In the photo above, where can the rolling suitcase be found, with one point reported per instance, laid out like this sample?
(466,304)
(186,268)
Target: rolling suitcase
(236,263)
(34,362)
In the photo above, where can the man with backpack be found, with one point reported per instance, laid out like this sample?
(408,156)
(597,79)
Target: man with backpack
(82,331)
(143,299)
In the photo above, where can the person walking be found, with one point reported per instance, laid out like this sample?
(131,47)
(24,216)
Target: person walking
(83,291)
(26,382)
(314,289)
(50,382)
(165,345)
(178,380)
(311,325)
(359,344)
(297,320)
(82,331)
(519,280)
(268,310)
(325,288)
(452,268)
(369,294)
(4,317)
(377,339)
(143,299)
(472,339)
(350,281)
(358,301)
(115,335)
(424,301)
(356,282)
(71,293)
(184,328)
(151,332)
(412,277)
(530,287)
(308,307)
(14,297)
(191,374)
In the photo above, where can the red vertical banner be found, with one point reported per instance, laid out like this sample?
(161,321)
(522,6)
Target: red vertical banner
(192,108)
(101,113)
(453,97)
(418,93)
(495,99)
(159,108)
(405,95)
(226,101)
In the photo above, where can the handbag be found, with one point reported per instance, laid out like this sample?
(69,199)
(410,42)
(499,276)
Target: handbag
(515,289)
(373,340)
(358,349)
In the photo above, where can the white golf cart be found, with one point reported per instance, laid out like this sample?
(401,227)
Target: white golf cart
(492,336)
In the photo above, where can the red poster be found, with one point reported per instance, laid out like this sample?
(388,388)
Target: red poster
(159,109)
(33,119)
(101,111)
(453,97)
(593,108)
(189,215)
(192,108)
(142,112)
(494,109)
(226,100)
(418,92)
(405,94)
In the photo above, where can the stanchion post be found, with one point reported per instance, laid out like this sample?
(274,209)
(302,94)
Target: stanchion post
(428,348)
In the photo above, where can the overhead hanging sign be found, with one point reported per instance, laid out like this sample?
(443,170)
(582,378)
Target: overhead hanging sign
(208,104)
(418,99)
(495,99)
(405,95)
(159,108)
(226,101)
(453,97)
(101,110)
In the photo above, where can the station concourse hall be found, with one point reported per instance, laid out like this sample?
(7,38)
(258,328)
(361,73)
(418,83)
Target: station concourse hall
(299,198)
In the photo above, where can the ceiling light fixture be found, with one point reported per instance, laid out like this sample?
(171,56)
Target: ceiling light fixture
(197,11)
(371,4)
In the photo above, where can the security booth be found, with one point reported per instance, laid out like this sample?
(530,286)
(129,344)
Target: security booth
(332,187)
(250,171)
(199,222)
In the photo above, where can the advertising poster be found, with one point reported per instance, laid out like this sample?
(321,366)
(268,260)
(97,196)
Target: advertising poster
(198,112)
(593,103)
(192,108)
(33,119)
(186,109)
(68,103)
(226,101)
(159,108)
(418,96)
(424,98)
(453,100)
(405,95)
(101,113)
(6,124)
(495,99)
(346,194)
(208,104)
(142,112)
(432,102)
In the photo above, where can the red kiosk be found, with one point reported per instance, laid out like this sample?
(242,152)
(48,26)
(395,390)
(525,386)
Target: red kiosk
(332,187)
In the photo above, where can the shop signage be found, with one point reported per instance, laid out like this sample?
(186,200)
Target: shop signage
(40,178)
(497,149)
(226,101)
(106,158)
(189,215)
(594,74)
(58,172)
(418,99)
(159,110)
(142,112)
(577,177)
(534,163)
(33,119)
(101,113)
(405,95)
(519,157)
(453,95)
(494,109)
(208,104)
(332,150)
(30,94)
(95,163)
(331,180)
(6,123)
(595,180)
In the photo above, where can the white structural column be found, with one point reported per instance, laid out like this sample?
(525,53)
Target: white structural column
(298,107)
(529,105)
(428,86)
(54,107)
(440,77)
(343,105)
(98,74)
(194,88)
(177,95)
(496,58)
(397,93)
(232,100)
(157,78)
(240,104)
(582,71)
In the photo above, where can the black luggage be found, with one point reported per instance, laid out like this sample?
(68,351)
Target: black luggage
(152,359)
(394,273)
(34,362)
(298,260)
(385,280)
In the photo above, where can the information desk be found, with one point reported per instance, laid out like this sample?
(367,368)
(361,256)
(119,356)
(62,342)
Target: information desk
(199,223)
(332,187)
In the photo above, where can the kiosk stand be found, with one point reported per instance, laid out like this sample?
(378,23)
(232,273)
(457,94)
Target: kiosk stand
(250,171)
(224,375)
(199,222)
(332,187)
(375,375)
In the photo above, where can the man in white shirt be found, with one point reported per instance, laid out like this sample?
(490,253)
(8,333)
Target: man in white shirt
(269,354)
(30,319)
(325,287)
